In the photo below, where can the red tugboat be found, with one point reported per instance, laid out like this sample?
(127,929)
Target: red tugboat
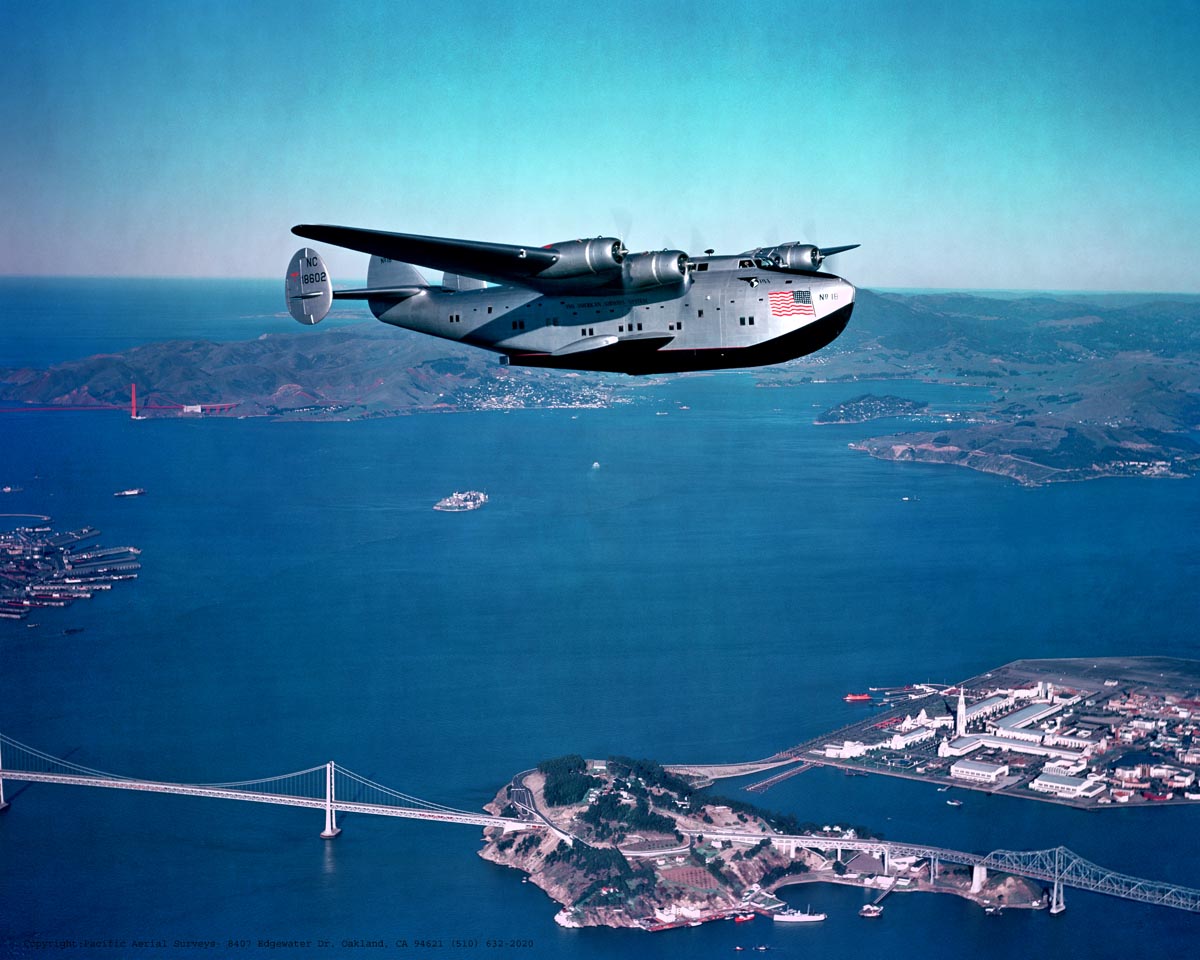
(856,697)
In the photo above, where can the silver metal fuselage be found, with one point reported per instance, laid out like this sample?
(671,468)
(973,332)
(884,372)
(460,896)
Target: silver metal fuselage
(722,315)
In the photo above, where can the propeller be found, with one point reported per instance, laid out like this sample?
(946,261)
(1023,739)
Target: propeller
(825,253)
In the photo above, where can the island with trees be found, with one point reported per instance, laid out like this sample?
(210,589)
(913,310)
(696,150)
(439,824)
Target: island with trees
(626,843)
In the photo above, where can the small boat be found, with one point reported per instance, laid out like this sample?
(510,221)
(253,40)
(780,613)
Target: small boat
(461,502)
(743,917)
(132,492)
(943,789)
(954,803)
(870,910)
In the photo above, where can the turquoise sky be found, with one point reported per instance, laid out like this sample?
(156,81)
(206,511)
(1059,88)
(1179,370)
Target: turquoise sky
(980,145)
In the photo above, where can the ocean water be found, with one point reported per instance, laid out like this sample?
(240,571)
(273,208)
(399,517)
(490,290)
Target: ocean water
(707,594)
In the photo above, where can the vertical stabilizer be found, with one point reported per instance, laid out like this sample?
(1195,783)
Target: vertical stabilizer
(308,288)
(452,281)
(382,272)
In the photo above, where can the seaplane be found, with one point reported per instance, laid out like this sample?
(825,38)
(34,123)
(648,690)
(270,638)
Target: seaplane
(588,304)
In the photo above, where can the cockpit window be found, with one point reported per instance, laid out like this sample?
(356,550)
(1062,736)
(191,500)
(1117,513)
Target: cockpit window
(745,263)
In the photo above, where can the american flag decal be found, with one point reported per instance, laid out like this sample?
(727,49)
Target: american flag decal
(790,303)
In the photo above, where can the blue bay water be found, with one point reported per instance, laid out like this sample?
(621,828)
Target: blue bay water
(707,594)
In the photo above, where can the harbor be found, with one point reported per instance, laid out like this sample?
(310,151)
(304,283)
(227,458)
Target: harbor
(41,568)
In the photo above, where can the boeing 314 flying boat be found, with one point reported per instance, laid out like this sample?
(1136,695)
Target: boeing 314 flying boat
(589,304)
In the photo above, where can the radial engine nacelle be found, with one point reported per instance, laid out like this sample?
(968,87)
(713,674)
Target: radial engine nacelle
(600,258)
(798,256)
(662,268)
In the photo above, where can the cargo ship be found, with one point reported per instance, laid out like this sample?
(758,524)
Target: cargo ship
(459,502)
(796,916)
(856,697)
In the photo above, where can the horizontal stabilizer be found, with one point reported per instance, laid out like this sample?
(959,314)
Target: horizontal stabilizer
(379,293)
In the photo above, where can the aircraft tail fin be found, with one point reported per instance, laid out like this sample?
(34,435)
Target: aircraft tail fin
(308,287)
(382,272)
(452,281)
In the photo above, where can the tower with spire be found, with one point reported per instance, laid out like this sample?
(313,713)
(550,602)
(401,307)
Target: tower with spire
(960,727)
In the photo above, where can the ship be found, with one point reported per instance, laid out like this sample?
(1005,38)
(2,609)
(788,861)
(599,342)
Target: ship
(870,910)
(133,492)
(856,697)
(954,803)
(458,502)
(796,916)
(743,917)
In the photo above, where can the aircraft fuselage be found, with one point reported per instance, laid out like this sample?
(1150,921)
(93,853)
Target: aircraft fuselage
(731,312)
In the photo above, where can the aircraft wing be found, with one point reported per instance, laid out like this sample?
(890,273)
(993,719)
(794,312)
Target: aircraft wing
(494,262)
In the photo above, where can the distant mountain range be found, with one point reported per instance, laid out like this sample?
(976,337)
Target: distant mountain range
(1082,386)
(366,369)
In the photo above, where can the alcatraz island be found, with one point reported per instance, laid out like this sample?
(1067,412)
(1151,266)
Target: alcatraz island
(629,843)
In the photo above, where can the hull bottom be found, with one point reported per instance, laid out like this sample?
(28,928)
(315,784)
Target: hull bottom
(641,358)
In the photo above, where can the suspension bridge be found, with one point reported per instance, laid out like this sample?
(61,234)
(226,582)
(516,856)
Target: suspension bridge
(327,786)
(333,789)
(1057,866)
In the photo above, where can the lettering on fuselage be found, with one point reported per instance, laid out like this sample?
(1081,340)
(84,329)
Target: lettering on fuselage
(595,304)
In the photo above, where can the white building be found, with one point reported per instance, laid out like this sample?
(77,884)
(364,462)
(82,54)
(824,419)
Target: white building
(1068,787)
(1013,725)
(977,771)
(986,708)
(1065,768)
(846,750)
(961,746)
(901,741)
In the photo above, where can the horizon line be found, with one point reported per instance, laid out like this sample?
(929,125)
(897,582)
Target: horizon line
(869,288)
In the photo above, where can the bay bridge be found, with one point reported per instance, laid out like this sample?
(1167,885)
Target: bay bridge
(332,788)
(327,787)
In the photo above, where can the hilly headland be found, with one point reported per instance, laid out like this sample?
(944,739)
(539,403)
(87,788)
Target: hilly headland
(1077,386)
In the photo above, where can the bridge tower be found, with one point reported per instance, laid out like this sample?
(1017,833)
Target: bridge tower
(331,828)
(1057,904)
(3,805)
